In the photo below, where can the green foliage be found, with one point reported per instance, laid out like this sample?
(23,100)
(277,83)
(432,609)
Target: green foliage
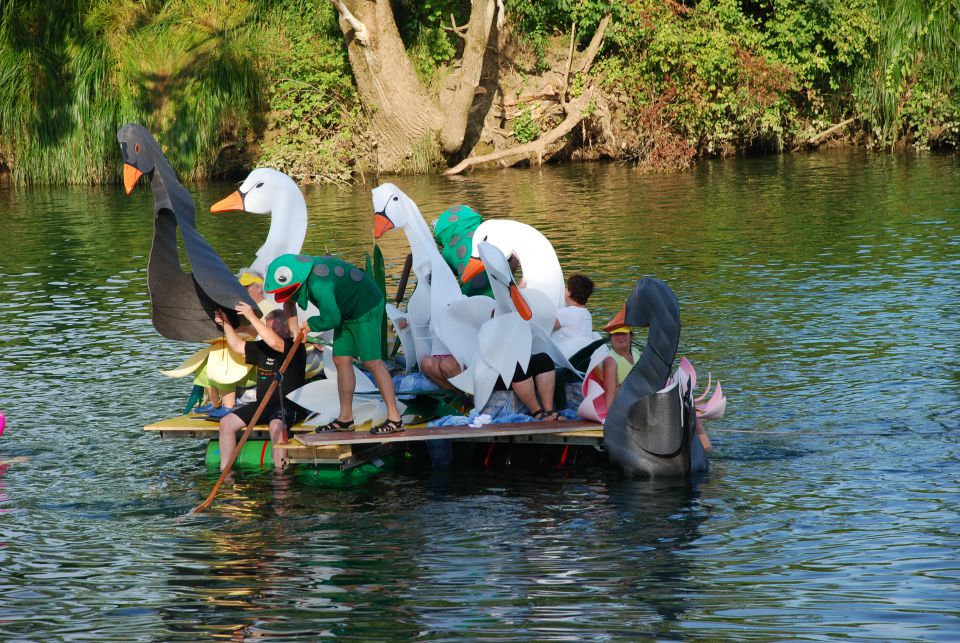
(185,70)
(525,129)
(536,22)
(424,157)
(699,74)
(915,67)
(421,26)
(312,98)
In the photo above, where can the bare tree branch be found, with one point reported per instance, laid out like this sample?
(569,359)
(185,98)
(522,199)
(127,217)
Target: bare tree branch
(566,75)
(460,31)
(359,29)
(535,148)
(594,48)
(814,141)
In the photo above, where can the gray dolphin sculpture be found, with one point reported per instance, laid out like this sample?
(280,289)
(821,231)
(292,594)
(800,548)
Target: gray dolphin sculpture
(182,304)
(646,432)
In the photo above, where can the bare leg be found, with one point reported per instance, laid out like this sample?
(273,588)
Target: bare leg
(278,435)
(527,394)
(214,396)
(545,384)
(346,385)
(229,399)
(430,366)
(702,434)
(450,367)
(229,425)
(385,383)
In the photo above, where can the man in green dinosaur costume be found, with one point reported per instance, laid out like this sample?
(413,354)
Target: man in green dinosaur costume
(453,232)
(350,303)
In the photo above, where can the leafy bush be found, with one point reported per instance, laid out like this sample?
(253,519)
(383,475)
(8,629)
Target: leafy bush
(700,75)
(525,129)
(312,100)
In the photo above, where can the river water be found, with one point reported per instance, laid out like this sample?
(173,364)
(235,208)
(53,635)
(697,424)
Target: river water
(821,289)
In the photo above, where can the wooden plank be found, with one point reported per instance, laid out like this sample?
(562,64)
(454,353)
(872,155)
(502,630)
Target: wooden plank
(420,434)
(559,432)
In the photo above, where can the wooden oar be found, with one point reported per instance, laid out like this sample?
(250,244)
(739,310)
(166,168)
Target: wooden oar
(404,276)
(253,421)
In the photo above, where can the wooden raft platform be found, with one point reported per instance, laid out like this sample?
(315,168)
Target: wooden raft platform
(339,448)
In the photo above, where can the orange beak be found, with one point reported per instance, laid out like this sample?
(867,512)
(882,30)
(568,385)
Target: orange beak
(521,304)
(473,268)
(130,177)
(230,203)
(380,225)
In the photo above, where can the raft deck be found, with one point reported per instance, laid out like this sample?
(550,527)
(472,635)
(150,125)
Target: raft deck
(352,448)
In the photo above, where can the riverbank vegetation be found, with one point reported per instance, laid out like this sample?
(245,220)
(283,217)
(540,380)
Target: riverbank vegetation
(333,90)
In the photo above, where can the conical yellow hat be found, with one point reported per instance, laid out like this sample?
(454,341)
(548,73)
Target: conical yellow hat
(189,365)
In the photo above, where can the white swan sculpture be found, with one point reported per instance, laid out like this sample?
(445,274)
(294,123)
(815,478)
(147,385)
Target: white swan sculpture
(538,260)
(268,191)
(505,341)
(437,287)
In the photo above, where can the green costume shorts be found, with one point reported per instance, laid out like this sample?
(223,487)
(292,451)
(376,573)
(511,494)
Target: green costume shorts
(360,337)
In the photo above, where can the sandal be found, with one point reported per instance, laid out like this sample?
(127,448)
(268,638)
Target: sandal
(390,426)
(335,425)
(547,415)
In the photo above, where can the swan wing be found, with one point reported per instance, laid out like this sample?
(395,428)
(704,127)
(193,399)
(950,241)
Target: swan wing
(321,397)
(459,325)
(541,343)
(394,314)
(505,343)
(543,309)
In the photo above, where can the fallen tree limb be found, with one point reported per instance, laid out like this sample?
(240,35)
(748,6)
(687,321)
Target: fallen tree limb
(815,141)
(574,115)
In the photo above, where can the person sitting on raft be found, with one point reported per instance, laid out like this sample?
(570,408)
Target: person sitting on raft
(573,328)
(538,381)
(276,331)
(619,362)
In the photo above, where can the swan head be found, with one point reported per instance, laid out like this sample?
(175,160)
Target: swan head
(285,277)
(501,278)
(497,235)
(497,232)
(260,193)
(140,153)
(391,209)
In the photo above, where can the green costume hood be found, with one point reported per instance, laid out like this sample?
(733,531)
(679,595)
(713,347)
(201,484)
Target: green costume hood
(286,276)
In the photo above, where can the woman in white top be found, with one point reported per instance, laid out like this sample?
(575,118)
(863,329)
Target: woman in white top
(573,328)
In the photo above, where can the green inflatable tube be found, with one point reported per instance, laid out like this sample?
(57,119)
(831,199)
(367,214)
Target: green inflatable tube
(255,454)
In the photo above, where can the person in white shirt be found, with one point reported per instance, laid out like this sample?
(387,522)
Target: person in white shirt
(573,328)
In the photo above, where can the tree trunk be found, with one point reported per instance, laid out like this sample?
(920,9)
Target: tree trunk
(456,106)
(402,114)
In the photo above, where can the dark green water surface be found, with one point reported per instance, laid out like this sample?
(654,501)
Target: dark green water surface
(824,291)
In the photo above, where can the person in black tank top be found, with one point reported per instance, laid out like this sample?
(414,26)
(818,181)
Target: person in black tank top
(276,332)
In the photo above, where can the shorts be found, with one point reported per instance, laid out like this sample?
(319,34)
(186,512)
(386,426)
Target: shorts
(290,414)
(539,363)
(360,337)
